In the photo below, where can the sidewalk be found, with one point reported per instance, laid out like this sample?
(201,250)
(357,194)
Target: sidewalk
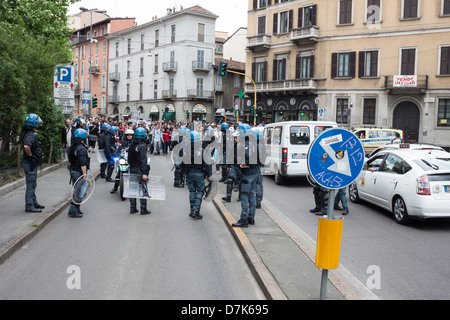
(279,254)
(53,191)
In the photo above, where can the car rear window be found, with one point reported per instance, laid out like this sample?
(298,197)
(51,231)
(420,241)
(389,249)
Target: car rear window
(434,164)
(299,135)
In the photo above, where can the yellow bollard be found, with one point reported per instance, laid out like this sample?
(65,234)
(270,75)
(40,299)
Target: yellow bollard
(329,242)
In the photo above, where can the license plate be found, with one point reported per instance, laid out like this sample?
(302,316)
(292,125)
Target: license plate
(299,156)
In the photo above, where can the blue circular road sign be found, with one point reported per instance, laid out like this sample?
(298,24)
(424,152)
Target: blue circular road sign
(335,158)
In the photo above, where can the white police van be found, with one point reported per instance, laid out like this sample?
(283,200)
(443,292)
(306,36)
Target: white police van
(287,146)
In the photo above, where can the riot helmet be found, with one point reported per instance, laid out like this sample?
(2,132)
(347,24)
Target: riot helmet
(33,121)
(80,134)
(140,134)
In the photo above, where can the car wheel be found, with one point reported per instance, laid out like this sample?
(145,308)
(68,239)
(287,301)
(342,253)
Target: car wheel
(400,212)
(353,193)
(279,179)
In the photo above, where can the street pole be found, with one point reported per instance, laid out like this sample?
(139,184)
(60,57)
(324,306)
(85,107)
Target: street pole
(254,85)
(90,72)
(330,216)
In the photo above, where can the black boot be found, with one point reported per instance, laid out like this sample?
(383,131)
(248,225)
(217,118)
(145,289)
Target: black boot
(145,211)
(241,223)
(251,221)
(197,216)
(133,210)
(226,199)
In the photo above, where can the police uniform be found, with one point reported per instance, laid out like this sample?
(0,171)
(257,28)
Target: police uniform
(110,149)
(196,170)
(79,165)
(101,146)
(137,158)
(179,174)
(31,162)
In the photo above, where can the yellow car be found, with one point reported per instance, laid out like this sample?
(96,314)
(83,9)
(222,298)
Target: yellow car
(372,138)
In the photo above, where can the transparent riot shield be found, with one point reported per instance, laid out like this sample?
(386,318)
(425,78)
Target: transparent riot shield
(101,156)
(82,189)
(134,187)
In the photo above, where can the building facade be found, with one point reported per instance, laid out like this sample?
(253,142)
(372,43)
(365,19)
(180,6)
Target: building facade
(365,63)
(91,69)
(163,69)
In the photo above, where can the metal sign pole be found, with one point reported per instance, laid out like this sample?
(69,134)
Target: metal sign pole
(330,215)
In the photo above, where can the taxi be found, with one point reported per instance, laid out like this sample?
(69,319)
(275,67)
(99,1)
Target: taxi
(414,146)
(411,183)
(372,138)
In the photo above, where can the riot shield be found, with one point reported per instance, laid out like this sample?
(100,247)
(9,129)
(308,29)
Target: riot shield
(134,187)
(82,189)
(101,156)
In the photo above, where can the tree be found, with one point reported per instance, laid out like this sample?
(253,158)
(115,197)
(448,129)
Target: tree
(34,38)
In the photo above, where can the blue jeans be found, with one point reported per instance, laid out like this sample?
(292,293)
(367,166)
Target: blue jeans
(259,187)
(196,184)
(248,197)
(341,196)
(31,170)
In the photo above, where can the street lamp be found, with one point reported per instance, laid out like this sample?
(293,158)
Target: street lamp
(90,57)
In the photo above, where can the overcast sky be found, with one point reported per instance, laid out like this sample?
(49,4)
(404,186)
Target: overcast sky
(232,13)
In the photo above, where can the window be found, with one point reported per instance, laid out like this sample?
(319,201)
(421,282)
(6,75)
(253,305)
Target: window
(444,113)
(156,70)
(201,59)
(307,16)
(141,66)
(259,71)
(128,92)
(142,42)
(341,111)
(375,163)
(299,135)
(141,91)
(172,33)
(282,22)
(277,135)
(129,46)
(304,68)
(408,63)
(369,111)
(373,11)
(262,3)
(104,46)
(392,164)
(200,87)
(279,69)
(201,32)
(155,89)
(261,25)
(445,7)
(117,49)
(445,61)
(345,12)
(156,38)
(368,64)
(128,69)
(410,9)
(343,65)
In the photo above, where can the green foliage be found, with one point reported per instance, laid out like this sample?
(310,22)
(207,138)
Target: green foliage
(33,40)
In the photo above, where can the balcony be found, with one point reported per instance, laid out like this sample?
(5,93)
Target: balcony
(258,43)
(114,99)
(413,84)
(200,94)
(169,94)
(95,70)
(282,86)
(201,66)
(169,67)
(114,76)
(305,35)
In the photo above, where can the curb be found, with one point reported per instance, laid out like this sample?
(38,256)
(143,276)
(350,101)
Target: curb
(263,276)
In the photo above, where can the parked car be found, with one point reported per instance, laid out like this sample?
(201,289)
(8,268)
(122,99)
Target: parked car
(396,146)
(372,138)
(411,183)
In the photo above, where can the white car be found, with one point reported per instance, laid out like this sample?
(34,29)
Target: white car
(412,184)
(396,146)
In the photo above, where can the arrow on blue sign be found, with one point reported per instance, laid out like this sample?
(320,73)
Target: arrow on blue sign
(335,158)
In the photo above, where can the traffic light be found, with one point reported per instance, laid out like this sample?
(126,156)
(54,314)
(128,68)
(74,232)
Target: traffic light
(94,102)
(252,112)
(223,69)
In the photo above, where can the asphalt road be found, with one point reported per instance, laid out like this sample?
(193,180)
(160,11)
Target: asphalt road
(394,261)
(111,254)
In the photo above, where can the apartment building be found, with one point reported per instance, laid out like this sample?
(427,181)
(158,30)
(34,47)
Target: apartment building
(91,69)
(365,63)
(163,69)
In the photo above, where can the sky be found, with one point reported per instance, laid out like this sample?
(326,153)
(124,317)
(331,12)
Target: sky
(232,13)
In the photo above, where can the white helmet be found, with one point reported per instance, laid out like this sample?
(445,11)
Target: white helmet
(129,131)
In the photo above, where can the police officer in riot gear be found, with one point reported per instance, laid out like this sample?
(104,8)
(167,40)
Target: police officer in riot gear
(79,165)
(197,170)
(137,158)
(124,144)
(31,160)
(224,127)
(249,175)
